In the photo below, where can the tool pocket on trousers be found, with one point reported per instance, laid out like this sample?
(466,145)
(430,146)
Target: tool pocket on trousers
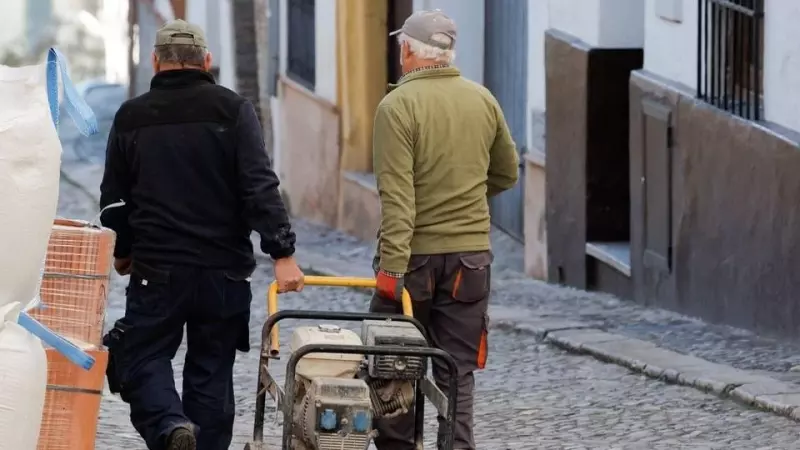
(419,279)
(237,298)
(243,341)
(472,280)
(114,340)
(483,344)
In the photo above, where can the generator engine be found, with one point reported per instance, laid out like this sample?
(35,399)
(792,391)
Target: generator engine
(339,395)
(391,377)
(336,414)
(332,409)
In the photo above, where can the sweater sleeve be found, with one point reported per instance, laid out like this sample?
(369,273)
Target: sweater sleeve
(393,160)
(503,159)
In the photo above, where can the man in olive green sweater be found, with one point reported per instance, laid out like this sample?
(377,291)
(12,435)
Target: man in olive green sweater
(441,149)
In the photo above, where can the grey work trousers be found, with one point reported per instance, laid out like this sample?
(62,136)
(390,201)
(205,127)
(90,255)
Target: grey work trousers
(450,294)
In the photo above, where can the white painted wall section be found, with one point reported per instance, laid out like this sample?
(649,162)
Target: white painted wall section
(538,23)
(621,23)
(782,63)
(469,17)
(325,41)
(670,47)
(599,23)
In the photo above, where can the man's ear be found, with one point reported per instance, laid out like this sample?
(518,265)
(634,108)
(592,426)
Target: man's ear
(154,61)
(207,62)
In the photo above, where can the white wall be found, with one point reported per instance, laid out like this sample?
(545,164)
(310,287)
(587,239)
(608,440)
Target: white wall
(782,63)
(670,47)
(325,40)
(598,23)
(469,18)
(538,23)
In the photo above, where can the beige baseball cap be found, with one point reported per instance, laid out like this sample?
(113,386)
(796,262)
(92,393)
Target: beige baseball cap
(180,32)
(422,25)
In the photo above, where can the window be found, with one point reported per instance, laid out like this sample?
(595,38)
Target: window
(301,64)
(730,55)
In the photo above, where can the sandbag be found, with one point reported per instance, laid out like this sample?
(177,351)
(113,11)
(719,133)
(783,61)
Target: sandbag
(23,371)
(30,159)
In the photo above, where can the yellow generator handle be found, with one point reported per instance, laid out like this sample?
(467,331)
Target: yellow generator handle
(349,282)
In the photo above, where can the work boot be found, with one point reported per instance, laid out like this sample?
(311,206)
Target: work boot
(181,438)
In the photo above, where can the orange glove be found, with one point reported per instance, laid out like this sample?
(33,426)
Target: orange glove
(389,285)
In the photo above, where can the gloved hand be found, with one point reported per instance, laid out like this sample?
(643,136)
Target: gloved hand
(389,285)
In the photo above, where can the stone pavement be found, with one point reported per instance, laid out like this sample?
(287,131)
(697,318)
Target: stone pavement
(533,395)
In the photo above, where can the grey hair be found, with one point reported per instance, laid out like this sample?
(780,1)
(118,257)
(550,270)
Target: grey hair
(182,54)
(425,51)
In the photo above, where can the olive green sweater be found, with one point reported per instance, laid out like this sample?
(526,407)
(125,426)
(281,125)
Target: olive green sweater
(441,148)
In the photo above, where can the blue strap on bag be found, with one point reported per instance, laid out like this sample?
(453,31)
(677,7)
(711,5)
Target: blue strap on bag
(86,122)
(77,108)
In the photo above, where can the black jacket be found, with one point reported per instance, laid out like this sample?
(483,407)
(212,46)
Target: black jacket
(188,160)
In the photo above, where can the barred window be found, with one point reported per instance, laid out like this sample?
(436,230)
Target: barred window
(301,52)
(730,55)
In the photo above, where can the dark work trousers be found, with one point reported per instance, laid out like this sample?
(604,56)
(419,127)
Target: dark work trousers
(450,295)
(214,306)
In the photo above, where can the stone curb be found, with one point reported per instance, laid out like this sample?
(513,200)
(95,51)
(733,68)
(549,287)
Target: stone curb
(758,391)
(754,390)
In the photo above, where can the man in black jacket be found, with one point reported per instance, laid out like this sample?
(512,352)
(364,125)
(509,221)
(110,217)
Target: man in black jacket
(187,179)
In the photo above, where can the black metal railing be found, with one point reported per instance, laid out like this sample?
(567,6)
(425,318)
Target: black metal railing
(301,52)
(730,55)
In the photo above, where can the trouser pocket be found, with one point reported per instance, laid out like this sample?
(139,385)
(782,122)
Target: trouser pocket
(472,278)
(114,340)
(237,298)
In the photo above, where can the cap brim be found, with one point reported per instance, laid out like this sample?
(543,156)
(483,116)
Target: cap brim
(395,32)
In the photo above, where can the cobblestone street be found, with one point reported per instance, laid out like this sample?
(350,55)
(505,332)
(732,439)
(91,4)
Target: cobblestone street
(532,395)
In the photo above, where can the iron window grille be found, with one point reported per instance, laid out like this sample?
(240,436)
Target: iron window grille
(730,55)
(301,52)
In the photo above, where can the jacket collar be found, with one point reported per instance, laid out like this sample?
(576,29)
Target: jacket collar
(181,78)
(432,72)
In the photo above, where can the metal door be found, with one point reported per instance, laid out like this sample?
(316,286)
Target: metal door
(505,74)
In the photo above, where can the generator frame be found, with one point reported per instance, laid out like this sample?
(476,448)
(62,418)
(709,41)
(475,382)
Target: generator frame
(284,398)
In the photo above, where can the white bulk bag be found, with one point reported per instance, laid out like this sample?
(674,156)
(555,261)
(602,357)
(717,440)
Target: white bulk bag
(23,371)
(30,159)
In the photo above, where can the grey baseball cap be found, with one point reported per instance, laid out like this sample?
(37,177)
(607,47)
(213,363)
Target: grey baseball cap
(422,25)
(180,32)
